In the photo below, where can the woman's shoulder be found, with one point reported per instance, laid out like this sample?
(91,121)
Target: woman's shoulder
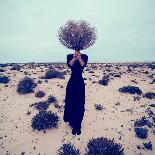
(81,54)
(85,56)
(69,55)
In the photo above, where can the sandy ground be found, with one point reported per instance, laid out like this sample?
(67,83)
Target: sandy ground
(114,121)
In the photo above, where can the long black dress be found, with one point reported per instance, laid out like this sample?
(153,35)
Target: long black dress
(75,93)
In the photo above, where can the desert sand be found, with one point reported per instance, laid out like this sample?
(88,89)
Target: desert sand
(115,120)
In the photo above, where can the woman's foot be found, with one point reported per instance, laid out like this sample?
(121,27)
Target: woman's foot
(74,131)
(78,132)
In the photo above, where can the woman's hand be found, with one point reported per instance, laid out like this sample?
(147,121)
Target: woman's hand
(79,56)
(75,56)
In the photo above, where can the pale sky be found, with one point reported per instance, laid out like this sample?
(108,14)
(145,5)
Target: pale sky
(125,29)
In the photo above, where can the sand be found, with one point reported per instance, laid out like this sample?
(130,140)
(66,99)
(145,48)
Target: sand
(115,120)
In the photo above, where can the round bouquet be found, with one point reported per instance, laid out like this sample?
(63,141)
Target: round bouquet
(77,35)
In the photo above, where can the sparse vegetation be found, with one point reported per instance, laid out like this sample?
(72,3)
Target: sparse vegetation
(40,94)
(16,67)
(45,120)
(52,73)
(144,127)
(152,105)
(117,75)
(153,81)
(98,107)
(2,70)
(68,149)
(3,65)
(152,66)
(130,89)
(141,132)
(103,146)
(26,85)
(52,99)
(148,145)
(25,73)
(104,81)
(150,113)
(42,105)
(4,79)
(150,95)
(142,121)
(39,82)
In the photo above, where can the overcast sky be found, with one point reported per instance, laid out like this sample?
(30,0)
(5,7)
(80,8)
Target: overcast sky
(125,29)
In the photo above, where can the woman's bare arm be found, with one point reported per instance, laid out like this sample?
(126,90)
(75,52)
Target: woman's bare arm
(72,61)
(81,62)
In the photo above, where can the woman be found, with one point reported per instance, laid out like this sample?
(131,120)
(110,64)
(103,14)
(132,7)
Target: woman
(75,92)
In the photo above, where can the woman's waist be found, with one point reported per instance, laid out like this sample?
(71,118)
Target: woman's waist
(79,77)
(76,75)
